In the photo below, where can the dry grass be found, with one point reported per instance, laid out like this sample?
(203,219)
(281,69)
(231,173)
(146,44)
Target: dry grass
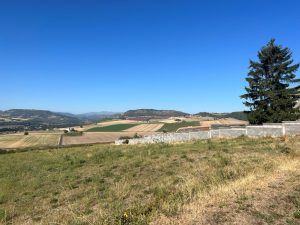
(98,137)
(101,124)
(241,181)
(31,140)
(258,198)
(226,121)
(145,128)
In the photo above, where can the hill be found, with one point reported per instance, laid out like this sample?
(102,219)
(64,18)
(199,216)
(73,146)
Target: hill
(240,115)
(153,113)
(19,119)
(96,116)
(92,116)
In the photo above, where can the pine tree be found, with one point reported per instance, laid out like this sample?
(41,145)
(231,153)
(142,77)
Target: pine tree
(272,90)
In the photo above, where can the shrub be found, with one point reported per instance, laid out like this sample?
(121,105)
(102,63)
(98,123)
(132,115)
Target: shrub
(74,133)
(136,135)
(124,137)
(297,214)
(26,133)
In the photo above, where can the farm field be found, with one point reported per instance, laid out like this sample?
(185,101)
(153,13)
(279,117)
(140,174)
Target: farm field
(175,119)
(240,181)
(173,127)
(112,128)
(102,124)
(226,121)
(104,132)
(98,137)
(113,122)
(145,127)
(31,140)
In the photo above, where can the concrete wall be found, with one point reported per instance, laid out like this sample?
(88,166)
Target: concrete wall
(291,128)
(272,130)
(264,131)
(232,133)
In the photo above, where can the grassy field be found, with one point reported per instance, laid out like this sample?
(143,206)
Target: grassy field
(31,140)
(173,127)
(241,181)
(112,128)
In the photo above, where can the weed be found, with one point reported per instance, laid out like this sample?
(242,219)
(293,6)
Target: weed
(296,214)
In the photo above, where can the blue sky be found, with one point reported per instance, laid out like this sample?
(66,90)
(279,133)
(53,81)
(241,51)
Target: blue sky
(81,56)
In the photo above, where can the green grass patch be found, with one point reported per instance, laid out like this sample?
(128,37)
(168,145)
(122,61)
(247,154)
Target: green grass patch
(173,127)
(112,128)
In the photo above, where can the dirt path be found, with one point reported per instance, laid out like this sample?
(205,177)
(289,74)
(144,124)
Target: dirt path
(269,199)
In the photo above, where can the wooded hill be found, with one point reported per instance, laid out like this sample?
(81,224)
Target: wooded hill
(31,119)
(153,113)
(240,115)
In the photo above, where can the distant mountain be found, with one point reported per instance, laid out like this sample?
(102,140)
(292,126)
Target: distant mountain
(66,114)
(240,115)
(92,116)
(153,113)
(96,116)
(35,119)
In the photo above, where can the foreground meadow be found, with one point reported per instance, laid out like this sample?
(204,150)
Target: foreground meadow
(241,181)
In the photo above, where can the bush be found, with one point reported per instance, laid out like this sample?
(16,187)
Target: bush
(125,141)
(136,135)
(26,133)
(74,133)
(297,214)
(65,131)
(124,137)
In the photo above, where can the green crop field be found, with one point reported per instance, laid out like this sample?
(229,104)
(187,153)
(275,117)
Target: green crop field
(241,181)
(112,128)
(173,127)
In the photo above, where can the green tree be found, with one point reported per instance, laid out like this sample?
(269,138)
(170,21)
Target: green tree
(272,90)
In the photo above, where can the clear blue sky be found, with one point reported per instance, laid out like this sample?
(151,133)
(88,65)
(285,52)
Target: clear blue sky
(81,56)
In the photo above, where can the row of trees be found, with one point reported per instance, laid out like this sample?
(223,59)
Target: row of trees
(273,90)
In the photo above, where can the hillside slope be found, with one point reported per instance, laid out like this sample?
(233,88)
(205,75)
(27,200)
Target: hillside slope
(153,113)
(240,115)
(242,181)
(18,119)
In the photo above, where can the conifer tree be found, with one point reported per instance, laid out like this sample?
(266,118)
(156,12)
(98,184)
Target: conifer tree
(272,90)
